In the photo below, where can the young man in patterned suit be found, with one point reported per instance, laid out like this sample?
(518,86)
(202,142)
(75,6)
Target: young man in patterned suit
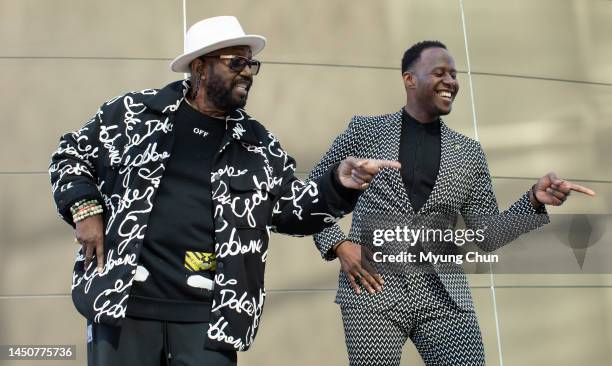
(173,194)
(443,174)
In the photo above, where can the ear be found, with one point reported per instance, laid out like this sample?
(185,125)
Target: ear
(198,67)
(409,79)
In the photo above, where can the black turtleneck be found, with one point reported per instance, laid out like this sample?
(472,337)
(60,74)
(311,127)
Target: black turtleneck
(419,154)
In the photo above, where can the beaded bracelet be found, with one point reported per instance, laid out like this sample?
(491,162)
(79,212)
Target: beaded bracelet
(88,210)
(85,208)
(82,204)
(87,214)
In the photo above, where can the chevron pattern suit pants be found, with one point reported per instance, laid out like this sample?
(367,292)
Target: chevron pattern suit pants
(443,334)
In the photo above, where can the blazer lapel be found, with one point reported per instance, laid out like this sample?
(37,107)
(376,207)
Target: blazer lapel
(390,150)
(450,159)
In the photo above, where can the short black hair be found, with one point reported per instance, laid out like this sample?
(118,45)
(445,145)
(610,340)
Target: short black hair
(414,52)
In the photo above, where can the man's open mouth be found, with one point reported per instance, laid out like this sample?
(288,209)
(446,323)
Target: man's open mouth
(445,94)
(243,86)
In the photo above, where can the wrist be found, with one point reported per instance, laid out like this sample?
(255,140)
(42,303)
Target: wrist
(337,245)
(533,198)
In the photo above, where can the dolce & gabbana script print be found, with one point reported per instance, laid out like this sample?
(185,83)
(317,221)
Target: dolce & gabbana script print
(118,157)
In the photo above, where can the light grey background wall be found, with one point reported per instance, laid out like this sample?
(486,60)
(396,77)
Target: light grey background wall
(536,89)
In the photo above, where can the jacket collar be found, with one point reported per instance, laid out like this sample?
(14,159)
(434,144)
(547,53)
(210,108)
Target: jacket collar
(239,124)
(242,127)
(397,118)
(167,99)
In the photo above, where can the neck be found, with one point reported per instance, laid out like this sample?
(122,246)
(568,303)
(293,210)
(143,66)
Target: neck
(203,106)
(419,114)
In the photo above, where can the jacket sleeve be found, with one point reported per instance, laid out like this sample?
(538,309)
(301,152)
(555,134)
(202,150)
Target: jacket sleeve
(481,211)
(343,146)
(72,168)
(305,208)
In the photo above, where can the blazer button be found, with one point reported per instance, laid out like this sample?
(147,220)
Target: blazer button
(220,265)
(217,313)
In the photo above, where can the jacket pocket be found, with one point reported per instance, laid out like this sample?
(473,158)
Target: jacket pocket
(252,197)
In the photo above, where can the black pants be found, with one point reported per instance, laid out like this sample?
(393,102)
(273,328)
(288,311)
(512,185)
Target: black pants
(152,343)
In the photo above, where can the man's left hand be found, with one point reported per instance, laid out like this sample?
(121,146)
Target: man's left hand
(550,190)
(358,173)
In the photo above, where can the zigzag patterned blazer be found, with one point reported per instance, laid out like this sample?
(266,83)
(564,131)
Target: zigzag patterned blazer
(463,186)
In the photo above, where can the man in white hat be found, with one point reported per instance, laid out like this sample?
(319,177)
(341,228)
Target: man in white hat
(173,194)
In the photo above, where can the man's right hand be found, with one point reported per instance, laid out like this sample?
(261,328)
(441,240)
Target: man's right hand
(90,234)
(358,269)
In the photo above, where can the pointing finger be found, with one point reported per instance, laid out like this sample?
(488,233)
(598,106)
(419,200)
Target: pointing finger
(565,187)
(582,189)
(374,166)
(389,164)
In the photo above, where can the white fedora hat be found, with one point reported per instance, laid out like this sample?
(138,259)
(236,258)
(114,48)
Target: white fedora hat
(212,34)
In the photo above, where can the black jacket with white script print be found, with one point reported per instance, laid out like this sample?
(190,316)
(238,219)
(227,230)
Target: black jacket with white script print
(118,157)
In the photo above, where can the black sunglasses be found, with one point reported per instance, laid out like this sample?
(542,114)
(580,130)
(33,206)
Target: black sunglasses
(238,63)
